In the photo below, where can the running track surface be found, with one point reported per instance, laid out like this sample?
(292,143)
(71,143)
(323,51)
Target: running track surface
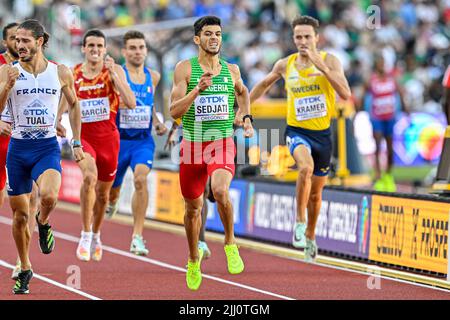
(121,275)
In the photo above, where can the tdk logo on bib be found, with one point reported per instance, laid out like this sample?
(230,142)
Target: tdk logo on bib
(35,112)
(212,99)
(93,103)
(309,100)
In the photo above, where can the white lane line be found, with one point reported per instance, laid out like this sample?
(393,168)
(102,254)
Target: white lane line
(374,269)
(74,239)
(52,282)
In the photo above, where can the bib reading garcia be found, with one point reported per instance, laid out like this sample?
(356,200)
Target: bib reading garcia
(310,96)
(211,115)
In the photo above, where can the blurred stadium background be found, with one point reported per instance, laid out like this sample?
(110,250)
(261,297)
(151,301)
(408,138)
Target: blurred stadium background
(413,36)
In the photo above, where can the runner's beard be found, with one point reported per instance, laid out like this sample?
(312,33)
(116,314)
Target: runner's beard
(30,56)
(12,51)
(213,53)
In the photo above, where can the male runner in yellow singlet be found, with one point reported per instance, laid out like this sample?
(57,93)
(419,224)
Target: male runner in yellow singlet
(311,79)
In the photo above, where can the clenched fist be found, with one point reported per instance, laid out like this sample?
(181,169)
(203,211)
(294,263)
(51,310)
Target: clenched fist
(13,74)
(109,63)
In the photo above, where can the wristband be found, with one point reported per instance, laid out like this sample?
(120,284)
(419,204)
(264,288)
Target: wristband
(76,144)
(247,116)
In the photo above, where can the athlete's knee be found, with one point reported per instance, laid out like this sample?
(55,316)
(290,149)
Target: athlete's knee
(20,218)
(49,198)
(89,180)
(194,208)
(140,182)
(220,193)
(102,197)
(315,196)
(306,172)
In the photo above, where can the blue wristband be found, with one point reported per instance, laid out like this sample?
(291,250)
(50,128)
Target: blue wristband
(76,144)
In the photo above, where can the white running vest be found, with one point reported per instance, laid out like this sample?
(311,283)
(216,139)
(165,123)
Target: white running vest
(6,115)
(33,103)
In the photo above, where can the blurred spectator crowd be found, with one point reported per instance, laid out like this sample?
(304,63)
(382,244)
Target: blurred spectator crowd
(413,36)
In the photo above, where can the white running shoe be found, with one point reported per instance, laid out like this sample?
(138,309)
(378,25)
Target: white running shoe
(96,247)
(84,246)
(112,209)
(310,250)
(16,271)
(138,246)
(298,236)
(203,246)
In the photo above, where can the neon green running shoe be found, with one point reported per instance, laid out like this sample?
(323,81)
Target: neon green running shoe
(389,182)
(234,261)
(379,185)
(194,274)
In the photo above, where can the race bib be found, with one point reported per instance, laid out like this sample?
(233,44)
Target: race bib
(384,105)
(138,118)
(211,107)
(311,107)
(94,110)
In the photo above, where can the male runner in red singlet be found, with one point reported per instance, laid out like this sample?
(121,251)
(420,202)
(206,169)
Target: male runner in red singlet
(98,82)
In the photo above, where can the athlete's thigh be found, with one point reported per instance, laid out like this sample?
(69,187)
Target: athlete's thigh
(48,167)
(302,156)
(123,162)
(193,178)
(321,154)
(20,203)
(87,165)
(107,159)
(143,154)
(19,174)
(221,178)
(49,182)
(299,148)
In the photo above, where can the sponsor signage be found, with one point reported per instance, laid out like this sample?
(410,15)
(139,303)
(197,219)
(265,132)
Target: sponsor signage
(343,225)
(410,233)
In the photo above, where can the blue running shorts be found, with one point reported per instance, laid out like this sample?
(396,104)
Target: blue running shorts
(317,141)
(132,153)
(27,160)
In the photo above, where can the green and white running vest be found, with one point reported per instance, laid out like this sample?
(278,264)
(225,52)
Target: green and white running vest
(211,116)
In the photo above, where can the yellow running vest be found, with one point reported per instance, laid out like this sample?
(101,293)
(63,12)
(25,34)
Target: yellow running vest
(310,96)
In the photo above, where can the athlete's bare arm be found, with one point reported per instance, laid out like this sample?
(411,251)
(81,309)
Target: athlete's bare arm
(68,90)
(180,101)
(159,126)
(333,71)
(242,98)
(120,83)
(278,71)
(8,76)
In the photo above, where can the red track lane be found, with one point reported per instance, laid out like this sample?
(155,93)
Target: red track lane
(121,277)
